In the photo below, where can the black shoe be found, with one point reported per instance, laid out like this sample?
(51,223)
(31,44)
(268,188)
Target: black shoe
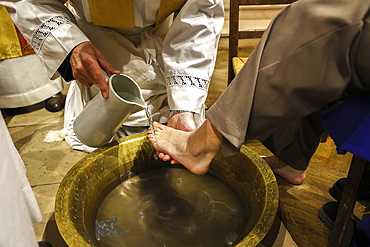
(55,103)
(45,244)
(328,213)
(336,190)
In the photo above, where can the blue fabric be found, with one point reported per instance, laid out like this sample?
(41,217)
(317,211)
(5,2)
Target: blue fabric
(348,124)
(361,237)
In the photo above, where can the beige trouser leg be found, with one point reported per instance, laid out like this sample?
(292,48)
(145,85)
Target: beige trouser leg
(312,54)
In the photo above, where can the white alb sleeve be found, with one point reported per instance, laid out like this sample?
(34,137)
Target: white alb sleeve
(189,53)
(48,26)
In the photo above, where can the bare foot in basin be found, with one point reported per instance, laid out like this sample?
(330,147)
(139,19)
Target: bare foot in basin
(194,150)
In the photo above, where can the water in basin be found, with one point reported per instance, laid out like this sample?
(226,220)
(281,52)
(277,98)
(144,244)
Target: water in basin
(171,207)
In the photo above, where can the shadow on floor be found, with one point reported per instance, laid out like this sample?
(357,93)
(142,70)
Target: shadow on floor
(11,112)
(52,235)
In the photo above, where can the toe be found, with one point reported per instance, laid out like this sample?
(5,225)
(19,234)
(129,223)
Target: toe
(157,126)
(166,157)
(173,162)
(161,155)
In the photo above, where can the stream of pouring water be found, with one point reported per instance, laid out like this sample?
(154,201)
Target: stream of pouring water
(150,119)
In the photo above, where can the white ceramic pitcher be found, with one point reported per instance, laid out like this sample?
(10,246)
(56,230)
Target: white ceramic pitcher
(96,125)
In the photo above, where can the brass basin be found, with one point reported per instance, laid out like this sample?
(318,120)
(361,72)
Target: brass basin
(93,177)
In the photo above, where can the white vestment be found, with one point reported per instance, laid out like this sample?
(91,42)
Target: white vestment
(24,82)
(172,64)
(18,206)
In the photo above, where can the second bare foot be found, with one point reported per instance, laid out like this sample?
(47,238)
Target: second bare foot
(287,172)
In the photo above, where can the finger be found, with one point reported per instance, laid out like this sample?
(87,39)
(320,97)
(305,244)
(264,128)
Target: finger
(105,64)
(174,162)
(161,155)
(166,157)
(84,61)
(90,76)
(96,75)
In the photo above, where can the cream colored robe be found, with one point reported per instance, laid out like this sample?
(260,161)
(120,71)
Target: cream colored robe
(313,54)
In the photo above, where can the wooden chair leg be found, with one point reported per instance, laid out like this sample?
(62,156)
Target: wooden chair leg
(347,201)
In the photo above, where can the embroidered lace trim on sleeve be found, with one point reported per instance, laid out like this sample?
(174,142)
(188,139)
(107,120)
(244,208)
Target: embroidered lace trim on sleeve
(188,81)
(42,32)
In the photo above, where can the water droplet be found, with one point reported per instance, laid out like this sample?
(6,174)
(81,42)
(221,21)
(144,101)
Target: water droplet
(131,174)
(233,211)
(179,180)
(155,156)
(141,215)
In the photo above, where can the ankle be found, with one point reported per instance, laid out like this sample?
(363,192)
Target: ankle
(195,147)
